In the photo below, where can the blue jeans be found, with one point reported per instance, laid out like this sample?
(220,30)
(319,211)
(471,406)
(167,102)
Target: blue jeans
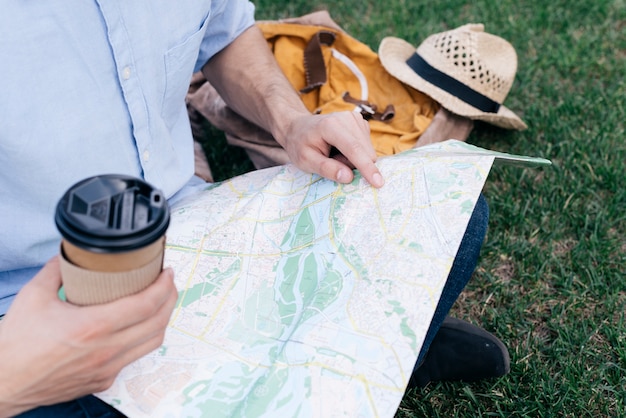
(460,273)
(85,407)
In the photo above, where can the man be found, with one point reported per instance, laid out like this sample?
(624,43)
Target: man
(98,87)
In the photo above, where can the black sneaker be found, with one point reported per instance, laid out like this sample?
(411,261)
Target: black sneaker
(461,351)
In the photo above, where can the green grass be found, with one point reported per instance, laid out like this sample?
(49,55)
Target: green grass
(551,282)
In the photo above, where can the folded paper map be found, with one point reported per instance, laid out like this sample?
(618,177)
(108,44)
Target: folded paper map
(300,297)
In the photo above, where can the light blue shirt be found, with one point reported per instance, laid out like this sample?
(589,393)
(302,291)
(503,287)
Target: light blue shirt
(93,87)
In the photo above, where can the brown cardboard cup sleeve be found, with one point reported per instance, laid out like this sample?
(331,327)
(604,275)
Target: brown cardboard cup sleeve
(87,287)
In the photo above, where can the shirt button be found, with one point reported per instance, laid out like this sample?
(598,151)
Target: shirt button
(146,155)
(126,73)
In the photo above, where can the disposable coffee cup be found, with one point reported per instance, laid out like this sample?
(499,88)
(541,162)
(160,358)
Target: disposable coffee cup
(113,237)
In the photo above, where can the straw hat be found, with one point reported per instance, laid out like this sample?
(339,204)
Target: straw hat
(468,71)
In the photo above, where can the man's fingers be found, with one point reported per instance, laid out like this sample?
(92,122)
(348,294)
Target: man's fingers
(366,165)
(353,140)
(330,168)
(135,328)
(313,137)
(153,326)
(131,310)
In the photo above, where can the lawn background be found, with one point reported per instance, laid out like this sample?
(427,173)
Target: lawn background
(551,280)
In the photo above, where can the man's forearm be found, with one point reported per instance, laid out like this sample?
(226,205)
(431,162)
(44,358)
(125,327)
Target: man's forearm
(250,81)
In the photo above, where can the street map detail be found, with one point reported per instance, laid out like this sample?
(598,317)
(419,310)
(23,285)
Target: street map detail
(299,297)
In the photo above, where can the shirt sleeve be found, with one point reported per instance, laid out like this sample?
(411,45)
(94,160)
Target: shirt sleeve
(227,20)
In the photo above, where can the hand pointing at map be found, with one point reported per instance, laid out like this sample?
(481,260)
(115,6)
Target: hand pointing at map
(271,102)
(310,145)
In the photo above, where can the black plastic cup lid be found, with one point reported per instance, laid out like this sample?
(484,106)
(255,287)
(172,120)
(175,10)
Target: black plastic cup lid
(112,213)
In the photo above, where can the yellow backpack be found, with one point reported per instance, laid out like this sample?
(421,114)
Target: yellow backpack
(334,72)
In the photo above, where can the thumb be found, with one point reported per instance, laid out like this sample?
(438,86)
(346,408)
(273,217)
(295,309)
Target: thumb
(49,277)
(39,291)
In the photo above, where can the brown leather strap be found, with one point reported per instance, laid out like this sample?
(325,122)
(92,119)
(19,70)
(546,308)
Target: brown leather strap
(314,66)
(316,76)
(370,110)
